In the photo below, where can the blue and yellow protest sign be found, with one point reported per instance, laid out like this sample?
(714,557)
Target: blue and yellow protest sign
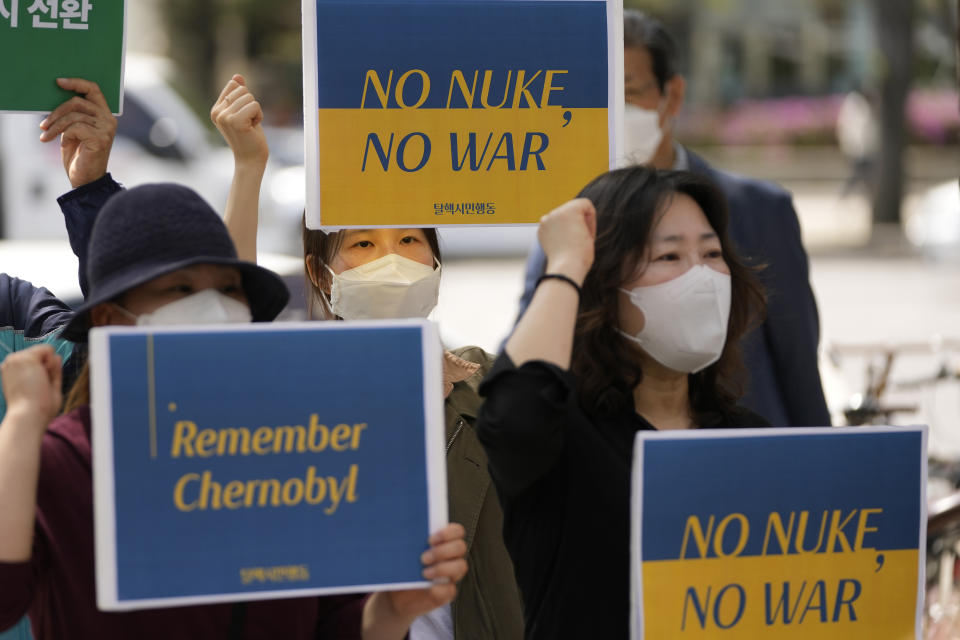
(442,112)
(42,40)
(253,462)
(779,533)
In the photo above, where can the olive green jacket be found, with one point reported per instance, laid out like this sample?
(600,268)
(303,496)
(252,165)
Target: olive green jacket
(487,606)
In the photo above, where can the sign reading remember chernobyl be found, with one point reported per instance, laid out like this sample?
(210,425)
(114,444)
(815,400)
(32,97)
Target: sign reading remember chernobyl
(42,40)
(445,112)
(241,463)
(779,533)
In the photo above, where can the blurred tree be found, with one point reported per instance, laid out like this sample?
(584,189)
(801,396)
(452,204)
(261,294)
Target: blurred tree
(212,39)
(894,24)
(190,23)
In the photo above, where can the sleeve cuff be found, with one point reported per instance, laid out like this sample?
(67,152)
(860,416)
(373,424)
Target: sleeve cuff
(105,184)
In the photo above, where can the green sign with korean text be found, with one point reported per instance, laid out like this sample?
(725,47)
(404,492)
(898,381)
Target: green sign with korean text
(42,40)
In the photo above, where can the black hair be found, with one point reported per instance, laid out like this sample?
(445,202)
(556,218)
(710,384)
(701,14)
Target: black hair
(640,30)
(629,202)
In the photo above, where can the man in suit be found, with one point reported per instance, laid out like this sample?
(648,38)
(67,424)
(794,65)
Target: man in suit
(781,355)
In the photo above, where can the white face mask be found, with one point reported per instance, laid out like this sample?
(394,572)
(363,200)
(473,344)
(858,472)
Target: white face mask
(685,319)
(388,287)
(641,134)
(204,307)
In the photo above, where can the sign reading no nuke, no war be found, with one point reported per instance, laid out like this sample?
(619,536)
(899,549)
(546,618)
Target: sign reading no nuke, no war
(779,533)
(483,112)
(42,40)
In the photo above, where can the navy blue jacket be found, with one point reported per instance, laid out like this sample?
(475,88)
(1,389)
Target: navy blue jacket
(32,315)
(780,355)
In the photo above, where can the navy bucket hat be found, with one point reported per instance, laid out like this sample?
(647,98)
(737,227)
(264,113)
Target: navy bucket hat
(154,229)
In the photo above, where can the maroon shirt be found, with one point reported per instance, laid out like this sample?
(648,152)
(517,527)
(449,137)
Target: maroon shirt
(56,586)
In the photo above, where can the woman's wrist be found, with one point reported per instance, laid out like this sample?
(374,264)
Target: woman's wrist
(560,278)
(25,426)
(249,166)
(571,268)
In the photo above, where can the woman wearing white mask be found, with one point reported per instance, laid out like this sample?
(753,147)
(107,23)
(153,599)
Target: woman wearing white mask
(634,326)
(361,274)
(157,254)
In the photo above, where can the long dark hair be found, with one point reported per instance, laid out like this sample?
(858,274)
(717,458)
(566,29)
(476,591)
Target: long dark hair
(628,203)
(319,249)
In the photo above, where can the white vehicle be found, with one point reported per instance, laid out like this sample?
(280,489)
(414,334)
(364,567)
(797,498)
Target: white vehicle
(159,139)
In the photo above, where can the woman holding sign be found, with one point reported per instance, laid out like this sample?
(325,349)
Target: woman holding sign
(634,326)
(158,255)
(394,273)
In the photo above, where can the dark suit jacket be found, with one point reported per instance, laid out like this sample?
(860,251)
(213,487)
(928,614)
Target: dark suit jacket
(781,354)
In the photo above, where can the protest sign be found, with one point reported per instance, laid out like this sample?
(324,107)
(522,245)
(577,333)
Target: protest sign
(779,533)
(252,462)
(42,40)
(446,112)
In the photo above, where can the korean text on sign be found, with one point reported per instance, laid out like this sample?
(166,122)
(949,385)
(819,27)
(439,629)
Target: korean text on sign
(48,14)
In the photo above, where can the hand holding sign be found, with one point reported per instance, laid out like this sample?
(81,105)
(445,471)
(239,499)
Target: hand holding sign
(445,567)
(274,467)
(86,127)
